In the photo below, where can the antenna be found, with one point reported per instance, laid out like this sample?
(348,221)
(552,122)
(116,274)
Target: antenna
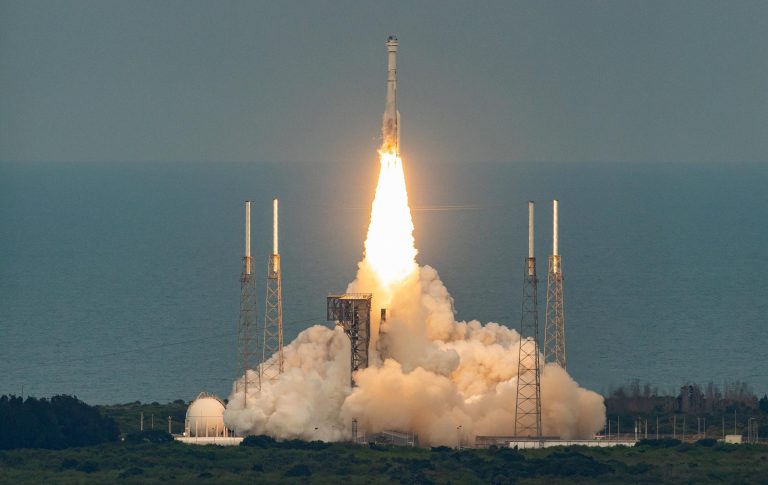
(274,227)
(554,227)
(248,237)
(530,230)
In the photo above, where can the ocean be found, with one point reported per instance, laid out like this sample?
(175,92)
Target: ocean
(120,282)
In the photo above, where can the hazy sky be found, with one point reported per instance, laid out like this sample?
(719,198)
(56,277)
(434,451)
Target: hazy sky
(305,81)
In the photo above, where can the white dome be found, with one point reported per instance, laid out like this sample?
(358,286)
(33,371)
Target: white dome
(205,416)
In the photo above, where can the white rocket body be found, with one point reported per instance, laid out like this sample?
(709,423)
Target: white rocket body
(391,123)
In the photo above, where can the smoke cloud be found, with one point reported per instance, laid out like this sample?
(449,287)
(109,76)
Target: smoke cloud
(429,374)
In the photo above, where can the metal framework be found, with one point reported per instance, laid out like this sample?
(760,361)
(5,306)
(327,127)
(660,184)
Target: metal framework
(247,328)
(272,353)
(752,431)
(352,311)
(554,326)
(528,405)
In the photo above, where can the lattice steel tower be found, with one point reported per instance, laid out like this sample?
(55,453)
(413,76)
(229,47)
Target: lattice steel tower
(528,406)
(247,336)
(554,328)
(272,353)
(352,312)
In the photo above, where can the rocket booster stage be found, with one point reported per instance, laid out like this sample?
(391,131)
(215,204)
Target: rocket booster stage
(390,130)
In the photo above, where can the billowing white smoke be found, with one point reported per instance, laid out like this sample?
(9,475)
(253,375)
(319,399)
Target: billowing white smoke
(429,374)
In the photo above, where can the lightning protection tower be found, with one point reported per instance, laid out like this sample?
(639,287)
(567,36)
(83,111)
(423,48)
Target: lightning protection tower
(554,328)
(247,329)
(272,354)
(352,312)
(528,406)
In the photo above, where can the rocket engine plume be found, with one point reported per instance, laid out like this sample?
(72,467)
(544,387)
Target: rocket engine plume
(389,246)
(428,373)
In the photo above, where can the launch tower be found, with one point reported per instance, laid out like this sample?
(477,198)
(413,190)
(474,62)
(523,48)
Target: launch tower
(554,327)
(352,311)
(272,352)
(528,406)
(247,329)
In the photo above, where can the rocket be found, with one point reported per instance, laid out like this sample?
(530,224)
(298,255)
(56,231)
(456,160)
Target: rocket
(390,130)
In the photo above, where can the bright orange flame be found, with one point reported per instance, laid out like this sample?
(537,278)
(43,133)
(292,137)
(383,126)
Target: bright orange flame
(389,247)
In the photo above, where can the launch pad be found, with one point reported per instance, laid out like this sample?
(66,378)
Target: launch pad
(389,265)
(352,312)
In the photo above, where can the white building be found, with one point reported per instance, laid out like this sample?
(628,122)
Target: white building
(204,423)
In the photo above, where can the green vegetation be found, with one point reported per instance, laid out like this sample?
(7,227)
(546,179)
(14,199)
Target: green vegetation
(267,461)
(63,440)
(128,416)
(59,422)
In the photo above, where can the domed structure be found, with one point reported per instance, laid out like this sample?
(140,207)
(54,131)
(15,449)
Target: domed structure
(205,417)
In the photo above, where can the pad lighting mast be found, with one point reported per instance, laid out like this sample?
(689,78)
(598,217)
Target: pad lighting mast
(528,405)
(272,355)
(554,328)
(247,330)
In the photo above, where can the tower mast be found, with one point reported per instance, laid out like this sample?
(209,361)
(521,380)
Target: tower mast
(554,327)
(247,329)
(272,353)
(528,405)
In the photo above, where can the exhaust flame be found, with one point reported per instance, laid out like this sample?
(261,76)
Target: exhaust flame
(389,247)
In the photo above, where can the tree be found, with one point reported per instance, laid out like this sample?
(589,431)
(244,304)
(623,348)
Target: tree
(61,422)
(763,403)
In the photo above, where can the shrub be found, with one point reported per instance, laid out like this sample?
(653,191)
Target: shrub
(304,445)
(507,455)
(571,463)
(299,471)
(149,436)
(708,442)
(260,441)
(639,469)
(69,463)
(131,472)
(441,449)
(88,467)
(661,443)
